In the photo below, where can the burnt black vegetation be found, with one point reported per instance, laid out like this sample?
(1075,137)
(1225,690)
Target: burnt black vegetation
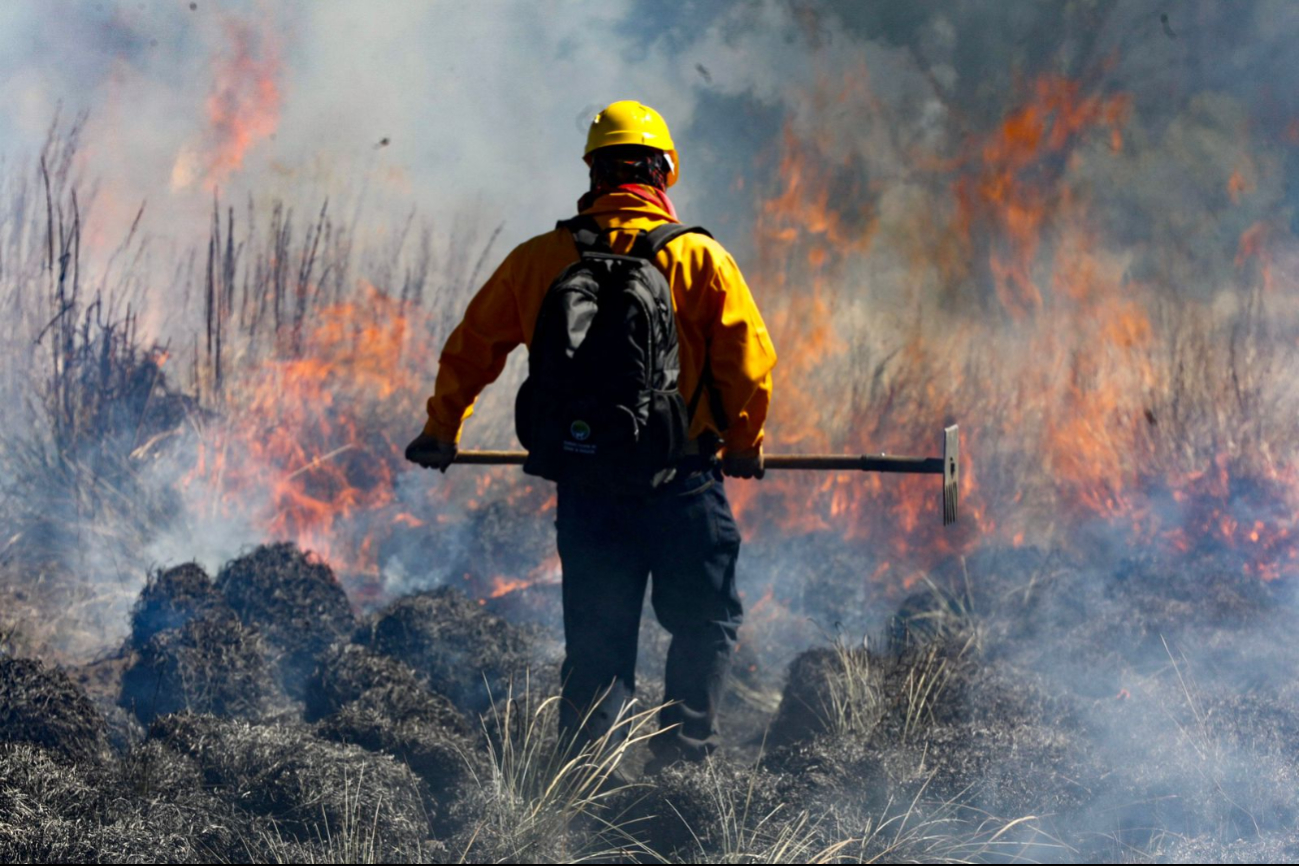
(462,651)
(294,602)
(957,733)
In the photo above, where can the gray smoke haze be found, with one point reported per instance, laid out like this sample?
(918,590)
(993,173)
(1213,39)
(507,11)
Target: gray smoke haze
(484,105)
(480,103)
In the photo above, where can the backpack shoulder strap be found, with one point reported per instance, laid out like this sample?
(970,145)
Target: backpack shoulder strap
(657,238)
(587,233)
(648,245)
(588,236)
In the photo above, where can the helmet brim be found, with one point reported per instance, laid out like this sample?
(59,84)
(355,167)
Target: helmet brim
(672,155)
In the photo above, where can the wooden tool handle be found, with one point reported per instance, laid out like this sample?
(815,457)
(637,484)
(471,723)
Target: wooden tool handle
(492,458)
(832,462)
(847,462)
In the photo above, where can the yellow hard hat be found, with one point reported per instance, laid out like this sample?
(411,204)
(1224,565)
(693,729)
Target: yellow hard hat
(630,122)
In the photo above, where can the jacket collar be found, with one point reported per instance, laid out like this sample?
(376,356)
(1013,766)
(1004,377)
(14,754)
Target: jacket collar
(629,202)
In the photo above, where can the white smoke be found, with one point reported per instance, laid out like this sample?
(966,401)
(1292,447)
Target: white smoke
(481,104)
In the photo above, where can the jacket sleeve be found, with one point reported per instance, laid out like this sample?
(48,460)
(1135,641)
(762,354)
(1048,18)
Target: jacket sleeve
(475,353)
(741,358)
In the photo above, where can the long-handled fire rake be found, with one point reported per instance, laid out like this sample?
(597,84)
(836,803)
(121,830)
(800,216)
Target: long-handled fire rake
(948,466)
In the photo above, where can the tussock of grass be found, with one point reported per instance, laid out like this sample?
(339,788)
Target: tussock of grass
(546,800)
(853,698)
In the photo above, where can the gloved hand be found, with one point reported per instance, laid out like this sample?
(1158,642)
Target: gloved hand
(431,452)
(744,465)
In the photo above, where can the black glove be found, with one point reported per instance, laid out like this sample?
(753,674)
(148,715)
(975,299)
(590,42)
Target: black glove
(431,452)
(743,465)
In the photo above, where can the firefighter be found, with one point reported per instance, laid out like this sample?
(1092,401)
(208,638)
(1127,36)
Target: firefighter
(684,534)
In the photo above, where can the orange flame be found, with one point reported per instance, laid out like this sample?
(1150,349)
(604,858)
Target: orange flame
(1013,190)
(303,436)
(243,108)
(1081,361)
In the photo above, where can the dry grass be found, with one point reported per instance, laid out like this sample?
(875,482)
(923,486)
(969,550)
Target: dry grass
(917,831)
(541,791)
(949,832)
(355,839)
(854,697)
(103,415)
(743,832)
(926,680)
(933,632)
(1067,419)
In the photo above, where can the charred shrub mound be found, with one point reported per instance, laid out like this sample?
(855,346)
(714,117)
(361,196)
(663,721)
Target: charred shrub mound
(691,812)
(149,809)
(170,599)
(463,652)
(312,789)
(1134,717)
(44,804)
(211,664)
(347,671)
(848,689)
(935,716)
(40,705)
(422,730)
(162,806)
(805,709)
(380,704)
(294,602)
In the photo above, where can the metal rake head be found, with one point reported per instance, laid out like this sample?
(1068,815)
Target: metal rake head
(951,473)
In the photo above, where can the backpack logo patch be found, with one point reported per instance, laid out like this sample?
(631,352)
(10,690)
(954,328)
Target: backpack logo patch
(578,432)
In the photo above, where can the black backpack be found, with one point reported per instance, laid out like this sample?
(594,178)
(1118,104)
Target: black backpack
(600,405)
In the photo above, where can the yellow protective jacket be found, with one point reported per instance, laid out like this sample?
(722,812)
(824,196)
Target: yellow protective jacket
(717,319)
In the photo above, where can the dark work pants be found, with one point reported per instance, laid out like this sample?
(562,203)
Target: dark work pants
(609,545)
